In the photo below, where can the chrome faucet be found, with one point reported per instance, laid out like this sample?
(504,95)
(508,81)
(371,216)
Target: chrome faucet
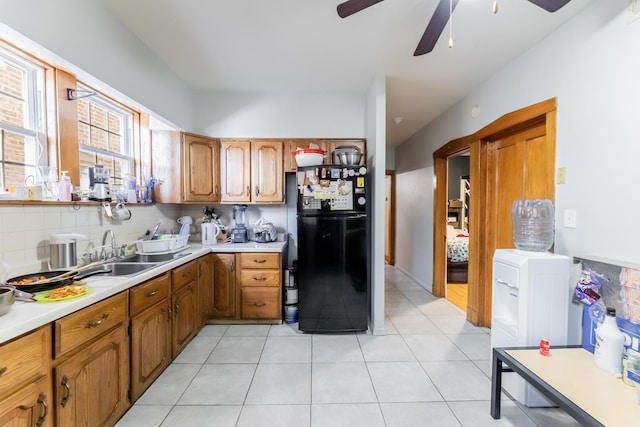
(103,252)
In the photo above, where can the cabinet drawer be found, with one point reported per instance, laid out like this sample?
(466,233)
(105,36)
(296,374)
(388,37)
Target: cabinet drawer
(147,294)
(24,358)
(184,274)
(259,260)
(260,303)
(82,326)
(259,277)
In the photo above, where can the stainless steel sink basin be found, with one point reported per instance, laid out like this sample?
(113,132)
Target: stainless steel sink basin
(138,258)
(124,268)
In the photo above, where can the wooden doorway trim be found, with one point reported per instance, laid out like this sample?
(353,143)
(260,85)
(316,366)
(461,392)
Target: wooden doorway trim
(390,219)
(480,246)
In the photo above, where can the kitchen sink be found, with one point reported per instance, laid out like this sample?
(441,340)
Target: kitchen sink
(124,268)
(147,258)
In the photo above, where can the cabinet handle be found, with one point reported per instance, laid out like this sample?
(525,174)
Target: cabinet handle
(67,391)
(175,310)
(3,370)
(152,293)
(94,323)
(259,303)
(259,261)
(248,191)
(42,400)
(233,266)
(216,190)
(259,279)
(257,190)
(169,314)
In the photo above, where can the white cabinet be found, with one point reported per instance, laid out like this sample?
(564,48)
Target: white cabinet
(530,301)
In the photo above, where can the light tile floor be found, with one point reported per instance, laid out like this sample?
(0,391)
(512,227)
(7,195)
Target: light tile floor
(431,369)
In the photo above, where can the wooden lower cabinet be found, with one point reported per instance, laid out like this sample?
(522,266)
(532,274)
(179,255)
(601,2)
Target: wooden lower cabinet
(28,406)
(259,281)
(184,294)
(205,287)
(224,286)
(26,395)
(92,385)
(150,332)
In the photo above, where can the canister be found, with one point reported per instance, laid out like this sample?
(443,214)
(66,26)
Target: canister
(63,250)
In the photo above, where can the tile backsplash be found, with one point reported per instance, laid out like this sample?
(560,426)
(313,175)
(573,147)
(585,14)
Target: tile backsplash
(25,230)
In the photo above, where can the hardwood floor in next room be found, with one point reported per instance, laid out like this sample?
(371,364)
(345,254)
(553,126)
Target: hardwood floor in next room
(431,369)
(457,294)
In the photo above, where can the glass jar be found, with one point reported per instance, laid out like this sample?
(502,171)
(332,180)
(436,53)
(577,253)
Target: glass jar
(533,224)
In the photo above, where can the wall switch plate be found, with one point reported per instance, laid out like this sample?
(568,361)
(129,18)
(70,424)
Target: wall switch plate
(569,218)
(562,176)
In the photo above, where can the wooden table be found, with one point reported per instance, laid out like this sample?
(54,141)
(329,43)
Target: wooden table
(570,379)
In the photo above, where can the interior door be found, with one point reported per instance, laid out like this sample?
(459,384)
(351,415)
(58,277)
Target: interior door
(512,157)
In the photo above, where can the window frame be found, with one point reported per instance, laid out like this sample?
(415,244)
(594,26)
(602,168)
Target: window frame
(34,90)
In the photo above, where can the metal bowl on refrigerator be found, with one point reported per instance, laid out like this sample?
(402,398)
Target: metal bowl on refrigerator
(348,156)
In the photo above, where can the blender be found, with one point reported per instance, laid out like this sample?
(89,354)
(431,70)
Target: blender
(99,183)
(239,231)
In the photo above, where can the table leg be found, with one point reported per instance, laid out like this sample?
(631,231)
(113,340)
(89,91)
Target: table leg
(496,385)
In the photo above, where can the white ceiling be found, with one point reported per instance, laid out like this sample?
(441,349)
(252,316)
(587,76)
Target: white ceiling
(303,46)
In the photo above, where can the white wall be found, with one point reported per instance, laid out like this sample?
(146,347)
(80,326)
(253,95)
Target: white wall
(591,65)
(85,38)
(376,164)
(267,115)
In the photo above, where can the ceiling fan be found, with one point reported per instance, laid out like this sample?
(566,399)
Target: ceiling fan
(438,19)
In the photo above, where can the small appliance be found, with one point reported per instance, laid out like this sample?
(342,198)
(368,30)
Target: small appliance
(264,231)
(210,232)
(239,231)
(99,183)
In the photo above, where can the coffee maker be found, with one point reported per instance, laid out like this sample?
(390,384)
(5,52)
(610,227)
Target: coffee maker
(239,231)
(99,183)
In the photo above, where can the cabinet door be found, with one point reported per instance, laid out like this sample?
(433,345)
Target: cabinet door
(91,386)
(205,287)
(165,166)
(235,170)
(267,176)
(200,169)
(224,286)
(290,164)
(150,346)
(185,316)
(29,406)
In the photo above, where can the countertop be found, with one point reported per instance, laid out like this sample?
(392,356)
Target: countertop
(26,316)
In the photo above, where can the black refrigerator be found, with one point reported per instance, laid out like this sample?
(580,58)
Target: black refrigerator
(333,248)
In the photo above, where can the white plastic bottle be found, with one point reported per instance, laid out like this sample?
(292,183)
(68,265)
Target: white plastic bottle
(609,344)
(64,188)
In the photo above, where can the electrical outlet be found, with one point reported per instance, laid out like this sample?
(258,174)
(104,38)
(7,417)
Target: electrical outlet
(561,176)
(570,218)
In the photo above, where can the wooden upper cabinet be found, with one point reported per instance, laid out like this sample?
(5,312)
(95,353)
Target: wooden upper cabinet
(235,170)
(328,145)
(200,169)
(267,176)
(186,167)
(252,171)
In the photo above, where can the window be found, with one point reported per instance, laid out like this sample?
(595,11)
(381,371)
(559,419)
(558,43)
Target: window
(22,120)
(105,134)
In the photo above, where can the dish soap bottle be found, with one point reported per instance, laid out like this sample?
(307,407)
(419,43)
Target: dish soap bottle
(609,344)
(64,188)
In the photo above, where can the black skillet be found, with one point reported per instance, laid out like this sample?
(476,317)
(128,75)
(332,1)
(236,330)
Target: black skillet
(37,287)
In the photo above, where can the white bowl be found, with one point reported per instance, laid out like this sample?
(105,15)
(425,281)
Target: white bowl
(309,159)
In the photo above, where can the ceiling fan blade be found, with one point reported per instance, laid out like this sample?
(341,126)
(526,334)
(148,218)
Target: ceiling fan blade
(350,7)
(550,5)
(434,28)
